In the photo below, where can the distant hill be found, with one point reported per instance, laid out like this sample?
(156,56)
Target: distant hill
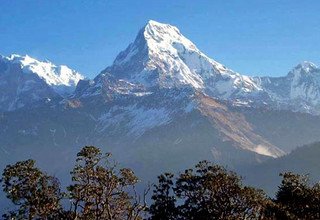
(303,160)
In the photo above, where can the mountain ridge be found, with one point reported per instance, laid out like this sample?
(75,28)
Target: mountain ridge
(161,56)
(25,80)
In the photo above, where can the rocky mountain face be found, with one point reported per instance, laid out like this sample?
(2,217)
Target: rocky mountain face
(298,91)
(25,81)
(162,105)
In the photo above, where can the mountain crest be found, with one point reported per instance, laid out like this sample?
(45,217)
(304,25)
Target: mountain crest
(25,80)
(306,67)
(163,36)
(53,75)
(307,64)
(162,57)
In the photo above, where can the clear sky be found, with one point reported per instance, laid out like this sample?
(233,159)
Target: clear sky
(252,37)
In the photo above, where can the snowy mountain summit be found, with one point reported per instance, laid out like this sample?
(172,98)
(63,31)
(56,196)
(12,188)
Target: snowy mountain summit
(61,78)
(298,91)
(25,80)
(163,76)
(162,57)
(305,83)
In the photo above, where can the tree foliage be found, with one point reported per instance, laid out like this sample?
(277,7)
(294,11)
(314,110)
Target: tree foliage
(36,194)
(210,192)
(164,206)
(101,190)
(297,198)
(206,192)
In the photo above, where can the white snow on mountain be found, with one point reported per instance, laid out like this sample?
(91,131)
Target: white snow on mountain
(306,82)
(26,81)
(61,78)
(162,57)
(140,119)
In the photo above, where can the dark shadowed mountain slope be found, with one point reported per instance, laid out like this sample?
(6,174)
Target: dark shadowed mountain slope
(304,160)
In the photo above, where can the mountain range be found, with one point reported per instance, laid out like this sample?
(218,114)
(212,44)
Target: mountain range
(162,105)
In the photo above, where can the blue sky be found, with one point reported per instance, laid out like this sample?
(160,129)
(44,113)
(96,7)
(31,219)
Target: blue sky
(252,37)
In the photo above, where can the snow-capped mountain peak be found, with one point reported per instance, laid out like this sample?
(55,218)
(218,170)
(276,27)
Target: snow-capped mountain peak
(162,57)
(25,80)
(305,83)
(306,66)
(163,36)
(61,78)
(303,68)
